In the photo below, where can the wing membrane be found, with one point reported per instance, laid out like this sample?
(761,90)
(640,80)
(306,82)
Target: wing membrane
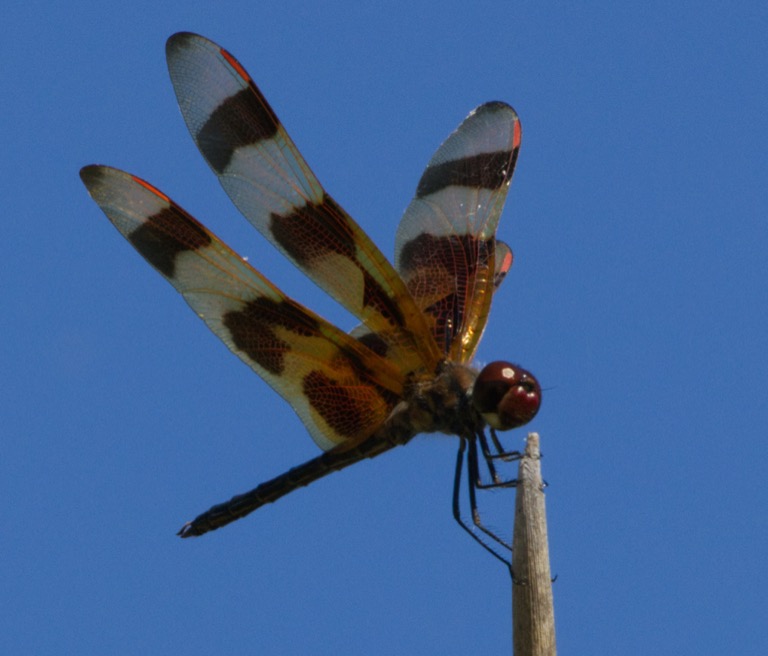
(270,183)
(446,247)
(341,390)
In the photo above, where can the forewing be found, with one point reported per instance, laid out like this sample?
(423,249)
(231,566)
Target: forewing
(266,177)
(446,247)
(341,391)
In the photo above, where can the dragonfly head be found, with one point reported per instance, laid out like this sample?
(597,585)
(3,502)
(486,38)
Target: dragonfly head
(507,396)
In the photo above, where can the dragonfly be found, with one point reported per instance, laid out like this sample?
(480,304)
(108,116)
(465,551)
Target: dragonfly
(407,368)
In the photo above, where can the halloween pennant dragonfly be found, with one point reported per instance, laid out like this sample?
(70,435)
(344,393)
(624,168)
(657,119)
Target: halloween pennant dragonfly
(406,369)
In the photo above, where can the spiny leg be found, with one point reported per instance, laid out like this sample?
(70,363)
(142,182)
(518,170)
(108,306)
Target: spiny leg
(473,476)
(488,459)
(457,506)
(501,454)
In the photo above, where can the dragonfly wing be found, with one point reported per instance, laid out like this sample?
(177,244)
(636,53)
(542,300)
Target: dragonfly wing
(268,180)
(446,247)
(341,390)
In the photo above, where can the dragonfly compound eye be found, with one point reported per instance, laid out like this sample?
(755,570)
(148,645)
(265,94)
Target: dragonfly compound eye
(507,396)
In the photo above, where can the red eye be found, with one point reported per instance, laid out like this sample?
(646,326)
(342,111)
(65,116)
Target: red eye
(507,396)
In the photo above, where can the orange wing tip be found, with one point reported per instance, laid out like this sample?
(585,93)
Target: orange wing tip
(154,190)
(506,264)
(517,134)
(235,64)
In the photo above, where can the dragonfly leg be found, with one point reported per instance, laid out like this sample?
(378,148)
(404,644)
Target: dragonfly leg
(471,480)
(490,458)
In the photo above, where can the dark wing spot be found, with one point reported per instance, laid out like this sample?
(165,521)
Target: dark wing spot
(313,231)
(444,267)
(483,171)
(166,234)
(318,230)
(375,343)
(252,330)
(243,119)
(458,255)
(343,413)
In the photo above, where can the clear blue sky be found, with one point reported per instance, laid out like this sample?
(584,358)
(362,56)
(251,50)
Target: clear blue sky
(638,297)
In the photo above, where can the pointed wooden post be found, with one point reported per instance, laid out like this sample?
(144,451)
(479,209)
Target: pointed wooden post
(533,615)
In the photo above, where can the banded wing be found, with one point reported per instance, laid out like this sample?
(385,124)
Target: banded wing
(341,390)
(266,177)
(446,248)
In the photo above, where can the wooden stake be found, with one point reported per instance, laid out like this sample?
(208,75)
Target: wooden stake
(533,615)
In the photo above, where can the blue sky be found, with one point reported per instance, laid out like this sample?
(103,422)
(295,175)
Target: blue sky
(638,297)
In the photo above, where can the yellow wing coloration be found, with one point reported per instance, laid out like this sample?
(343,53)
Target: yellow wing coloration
(407,368)
(341,390)
(268,180)
(446,248)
